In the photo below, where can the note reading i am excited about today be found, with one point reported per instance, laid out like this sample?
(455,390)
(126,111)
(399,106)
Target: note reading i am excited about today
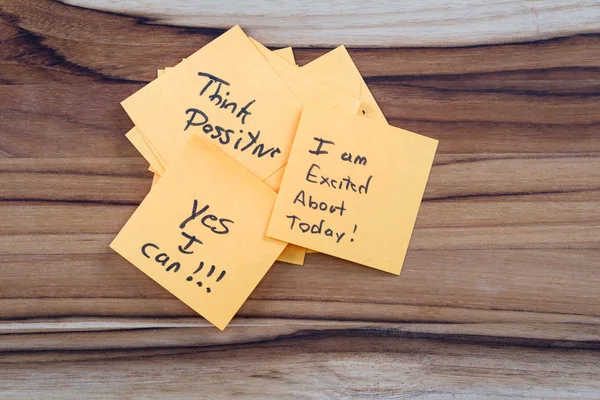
(352,188)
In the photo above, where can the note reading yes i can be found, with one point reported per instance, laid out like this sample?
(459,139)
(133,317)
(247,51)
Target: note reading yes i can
(352,188)
(202,235)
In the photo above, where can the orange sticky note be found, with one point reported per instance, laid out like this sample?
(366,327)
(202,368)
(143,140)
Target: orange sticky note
(141,145)
(202,235)
(136,137)
(306,89)
(339,82)
(352,188)
(287,54)
(339,63)
(227,94)
(155,179)
(292,254)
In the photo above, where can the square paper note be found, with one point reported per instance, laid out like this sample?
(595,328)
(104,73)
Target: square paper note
(200,232)
(229,95)
(352,188)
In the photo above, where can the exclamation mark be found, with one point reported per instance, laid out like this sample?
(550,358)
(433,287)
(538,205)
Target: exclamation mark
(353,231)
(208,275)
(191,278)
(221,275)
(212,269)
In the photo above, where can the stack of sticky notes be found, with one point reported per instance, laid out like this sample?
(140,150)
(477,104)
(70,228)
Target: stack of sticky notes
(257,160)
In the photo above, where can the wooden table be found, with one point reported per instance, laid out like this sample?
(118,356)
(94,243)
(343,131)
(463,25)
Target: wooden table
(500,292)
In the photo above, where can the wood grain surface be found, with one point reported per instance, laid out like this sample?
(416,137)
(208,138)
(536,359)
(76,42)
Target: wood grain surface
(376,23)
(499,293)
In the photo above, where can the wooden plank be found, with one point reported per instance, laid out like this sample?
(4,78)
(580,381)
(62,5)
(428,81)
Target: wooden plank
(30,218)
(341,363)
(39,314)
(388,23)
(51,121)
(545,236)
(498,297)
(549,236)
(118,334)
(132,50)
(470,203)
(510,175)
(119,180)
(35,218)
(554,281)
(453,177)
